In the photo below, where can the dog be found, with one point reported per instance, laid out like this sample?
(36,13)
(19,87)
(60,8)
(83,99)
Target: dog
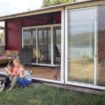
(2,84)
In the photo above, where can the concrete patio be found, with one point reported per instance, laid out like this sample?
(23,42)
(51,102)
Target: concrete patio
(52,73)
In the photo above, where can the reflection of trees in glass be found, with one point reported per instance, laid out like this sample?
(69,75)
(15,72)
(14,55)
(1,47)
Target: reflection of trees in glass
(82,39)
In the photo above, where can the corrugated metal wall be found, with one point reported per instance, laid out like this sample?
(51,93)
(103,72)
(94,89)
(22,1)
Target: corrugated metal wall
(14,27)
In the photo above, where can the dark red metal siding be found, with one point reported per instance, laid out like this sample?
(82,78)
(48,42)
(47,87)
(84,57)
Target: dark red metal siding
(44,19)
(14,27)
(13,34)
(34,21)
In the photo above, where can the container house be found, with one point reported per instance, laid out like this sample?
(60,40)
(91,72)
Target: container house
(69,40)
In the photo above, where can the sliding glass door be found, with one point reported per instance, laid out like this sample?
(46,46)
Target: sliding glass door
(46,44)
(81,45)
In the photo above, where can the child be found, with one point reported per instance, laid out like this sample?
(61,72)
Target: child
(24,78)
(13,70)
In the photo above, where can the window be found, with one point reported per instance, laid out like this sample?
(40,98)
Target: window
(27,37)
(2,34)
(46,44)
(46,48)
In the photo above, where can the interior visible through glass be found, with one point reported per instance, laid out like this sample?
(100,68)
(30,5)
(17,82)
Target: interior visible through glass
(44,45)
(46,51)
(57,45)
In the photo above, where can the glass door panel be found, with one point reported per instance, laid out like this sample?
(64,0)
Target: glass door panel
(81,32)
(34,45)
(27,38)
(44,46)
(57,45)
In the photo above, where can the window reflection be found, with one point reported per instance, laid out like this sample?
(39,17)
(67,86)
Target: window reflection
(81,45)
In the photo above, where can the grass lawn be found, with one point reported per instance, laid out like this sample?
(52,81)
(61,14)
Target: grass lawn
(44,95)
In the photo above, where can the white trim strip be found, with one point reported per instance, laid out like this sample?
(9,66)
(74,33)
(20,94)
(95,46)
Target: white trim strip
(62,46)
(47,80)
(86,85)
(66,45)
(41,26)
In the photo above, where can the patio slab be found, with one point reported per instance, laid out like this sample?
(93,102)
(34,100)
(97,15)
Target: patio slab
(41,72)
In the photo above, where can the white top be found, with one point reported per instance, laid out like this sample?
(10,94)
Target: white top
(27,75)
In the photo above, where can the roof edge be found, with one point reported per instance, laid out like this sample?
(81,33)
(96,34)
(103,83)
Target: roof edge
(43,10)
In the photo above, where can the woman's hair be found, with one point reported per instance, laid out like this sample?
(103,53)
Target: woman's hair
(10,63)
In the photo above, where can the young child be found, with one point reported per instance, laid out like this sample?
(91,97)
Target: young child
(24,78)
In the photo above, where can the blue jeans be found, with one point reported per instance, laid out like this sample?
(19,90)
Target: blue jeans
(23,82)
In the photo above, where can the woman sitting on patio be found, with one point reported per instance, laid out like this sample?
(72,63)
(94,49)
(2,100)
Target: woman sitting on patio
(23,76)
(18,74)
(13,70)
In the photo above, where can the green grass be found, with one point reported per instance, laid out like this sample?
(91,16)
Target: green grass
(44,95)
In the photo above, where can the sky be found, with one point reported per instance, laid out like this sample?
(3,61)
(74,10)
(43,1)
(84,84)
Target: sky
(8,7)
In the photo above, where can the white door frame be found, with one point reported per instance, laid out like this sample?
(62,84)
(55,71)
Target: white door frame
(61,81)
(95,54)
(51,40)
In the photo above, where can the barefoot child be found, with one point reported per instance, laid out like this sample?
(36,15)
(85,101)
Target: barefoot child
(24,78)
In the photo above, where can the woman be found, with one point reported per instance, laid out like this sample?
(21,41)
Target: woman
(14,72)
(19,74)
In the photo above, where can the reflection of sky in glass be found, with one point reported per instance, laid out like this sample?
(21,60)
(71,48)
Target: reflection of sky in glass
(81,29)
(80,21)
(82,15)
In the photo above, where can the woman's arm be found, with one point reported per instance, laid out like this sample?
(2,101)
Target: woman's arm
(9,71)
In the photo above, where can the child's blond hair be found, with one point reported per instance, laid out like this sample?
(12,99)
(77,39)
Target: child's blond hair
(17,60)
